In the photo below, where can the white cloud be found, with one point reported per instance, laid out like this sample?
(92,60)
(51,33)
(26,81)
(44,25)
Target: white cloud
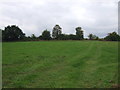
(34,16)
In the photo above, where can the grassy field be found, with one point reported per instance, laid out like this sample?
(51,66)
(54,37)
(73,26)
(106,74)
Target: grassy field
(60,64)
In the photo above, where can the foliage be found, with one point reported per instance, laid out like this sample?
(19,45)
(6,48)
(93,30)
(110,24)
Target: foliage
(93,37)
(67,37)
(79,33)
(12,33)
(57,30)
(40,37)
(33,36)
(46,35)
(0,35)
(72,37)
(62,37)
(112,37)
(28,38)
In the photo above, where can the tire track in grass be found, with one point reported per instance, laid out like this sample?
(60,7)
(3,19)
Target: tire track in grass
(87,61)
(106,68)
(52,68)
(28,71)
(93,70)
(83,66)
(92,66)
(74,64)
(33,68)
(48,74)
(68,70)
(31,73)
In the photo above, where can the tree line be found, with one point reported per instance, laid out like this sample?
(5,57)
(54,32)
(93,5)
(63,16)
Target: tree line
(14,33)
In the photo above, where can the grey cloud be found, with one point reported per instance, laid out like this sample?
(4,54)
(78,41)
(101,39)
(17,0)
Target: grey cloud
(34,16)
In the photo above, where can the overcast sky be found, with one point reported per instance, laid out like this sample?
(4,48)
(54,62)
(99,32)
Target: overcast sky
(33,16)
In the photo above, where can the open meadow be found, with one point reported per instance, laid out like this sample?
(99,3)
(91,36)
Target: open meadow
(60,64)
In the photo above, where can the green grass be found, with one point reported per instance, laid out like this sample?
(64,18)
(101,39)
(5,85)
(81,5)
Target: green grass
(60,64)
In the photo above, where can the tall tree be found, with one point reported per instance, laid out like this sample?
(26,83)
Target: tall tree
(79,33)
(46,35)
(12,33)
(57,30)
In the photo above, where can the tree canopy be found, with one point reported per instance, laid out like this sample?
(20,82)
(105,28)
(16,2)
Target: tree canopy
(93,37)
(0,35)
(57,30)
(79,33)
(46,35)
(12,33)
(112,37)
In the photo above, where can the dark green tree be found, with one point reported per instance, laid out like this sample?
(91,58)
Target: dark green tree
(40,37)
(97,38)
(90,36)
(57,30)
(28,38)
(0,35)
(33,36)
(79,33)
(12,33)
(72,37)
(63,37)
(93,37)
(112,37)
(46,35)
